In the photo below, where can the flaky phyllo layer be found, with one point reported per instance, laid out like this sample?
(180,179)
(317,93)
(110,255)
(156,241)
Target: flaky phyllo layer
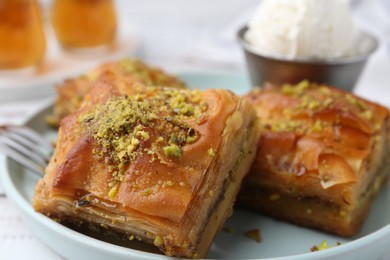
(149,162)
(318,143)
(71,93)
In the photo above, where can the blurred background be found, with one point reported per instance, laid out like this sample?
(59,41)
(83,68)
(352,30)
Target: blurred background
(195,31)
(182,36)
(202,34)
(191,35)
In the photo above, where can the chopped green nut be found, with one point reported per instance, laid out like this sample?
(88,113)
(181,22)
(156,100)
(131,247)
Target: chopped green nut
(328,102)
(191,139)
(324,90)
(297,89)
(322,246)
(134,141)
(187,110)
(313,104)
(154,121)
(211,152)
(158,241)
(317,127)
(172,151)
(85,118)
(145,136)
(112,193)
(148,191)
(367,114)
(168,183)
(351,99)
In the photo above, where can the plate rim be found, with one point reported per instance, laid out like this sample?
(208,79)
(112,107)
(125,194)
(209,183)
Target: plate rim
(22,205)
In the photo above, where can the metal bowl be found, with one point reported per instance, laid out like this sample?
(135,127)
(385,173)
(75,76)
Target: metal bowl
(341,72)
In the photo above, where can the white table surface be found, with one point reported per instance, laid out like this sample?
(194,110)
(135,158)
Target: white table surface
(191,41)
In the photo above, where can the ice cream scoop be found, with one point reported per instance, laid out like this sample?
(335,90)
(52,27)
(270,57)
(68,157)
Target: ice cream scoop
(322,29)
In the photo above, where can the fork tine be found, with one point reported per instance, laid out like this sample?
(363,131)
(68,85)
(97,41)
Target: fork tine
(34,147)
(34,136)
(22,149)
(26,147)
(21,159)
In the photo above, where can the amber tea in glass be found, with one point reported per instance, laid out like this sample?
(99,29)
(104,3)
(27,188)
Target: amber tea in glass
(84,23)
(22,39)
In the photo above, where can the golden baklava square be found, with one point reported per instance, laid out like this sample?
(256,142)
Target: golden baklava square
(322,157)
(154,164)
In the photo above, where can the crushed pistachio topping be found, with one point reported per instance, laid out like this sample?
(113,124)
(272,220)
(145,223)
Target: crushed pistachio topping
(367,114)
(351,100)
(358,103)
(112,193)
(131,238)
(287,112)
(328,102)
(191,139)
(149,234)
(313,104)
(296,90)
(167,184)
(156,122)
(318,126)
(306,116)
(158,241)
(309,103)
(322,246)
(148,75)
(211,152)
(148,191)
(254,234)
(324,90)
(286,126)
(172,151)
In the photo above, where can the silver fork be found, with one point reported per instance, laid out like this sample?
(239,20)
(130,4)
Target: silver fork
(26,147)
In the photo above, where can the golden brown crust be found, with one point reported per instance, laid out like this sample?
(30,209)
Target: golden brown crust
(71,93)
(166,177)
(318,142)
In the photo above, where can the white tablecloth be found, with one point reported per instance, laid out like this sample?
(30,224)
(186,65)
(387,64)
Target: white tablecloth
(175,43)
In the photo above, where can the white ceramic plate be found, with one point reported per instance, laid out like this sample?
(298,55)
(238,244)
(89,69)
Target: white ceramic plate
(279,240)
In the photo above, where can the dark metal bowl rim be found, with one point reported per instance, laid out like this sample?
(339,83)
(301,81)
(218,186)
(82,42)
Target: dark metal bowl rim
(334,61)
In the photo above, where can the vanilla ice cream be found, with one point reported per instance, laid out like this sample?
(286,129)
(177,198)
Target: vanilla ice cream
(322,29)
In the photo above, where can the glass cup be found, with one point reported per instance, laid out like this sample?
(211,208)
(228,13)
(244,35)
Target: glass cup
(22,37)
(82,24)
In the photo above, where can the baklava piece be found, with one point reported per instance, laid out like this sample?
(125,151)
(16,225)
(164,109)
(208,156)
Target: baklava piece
(322,157)
(71,93)
(160,165)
